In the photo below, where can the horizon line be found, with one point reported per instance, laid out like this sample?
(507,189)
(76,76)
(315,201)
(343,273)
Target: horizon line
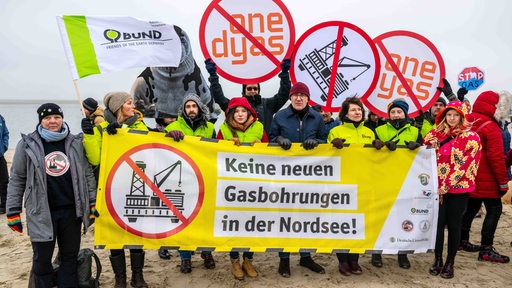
(36,101)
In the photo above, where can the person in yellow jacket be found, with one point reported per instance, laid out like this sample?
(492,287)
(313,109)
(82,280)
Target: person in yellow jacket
(242,126)
(398,131)
(351,131)
(193,119)
(193,116)
(120,113)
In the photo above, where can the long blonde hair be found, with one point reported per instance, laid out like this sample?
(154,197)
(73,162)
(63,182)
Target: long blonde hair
(463,126)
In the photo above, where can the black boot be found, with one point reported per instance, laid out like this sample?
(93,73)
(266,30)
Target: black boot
(312,265)
(376,260)
(403,261)
(284,267)
(137,262)
(437,266)
(119,266)
(447,272)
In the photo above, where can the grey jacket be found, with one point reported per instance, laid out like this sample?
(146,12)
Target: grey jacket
(28,179)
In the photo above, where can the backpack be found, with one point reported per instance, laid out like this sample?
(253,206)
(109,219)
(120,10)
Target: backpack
(84,269)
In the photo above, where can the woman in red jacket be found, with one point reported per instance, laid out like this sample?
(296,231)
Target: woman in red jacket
(492,178)
(458,155)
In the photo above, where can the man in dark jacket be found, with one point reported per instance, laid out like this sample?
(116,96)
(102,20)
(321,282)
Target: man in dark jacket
(298,123)
(265,107)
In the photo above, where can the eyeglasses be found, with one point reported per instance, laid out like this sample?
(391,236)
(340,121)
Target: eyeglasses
(299,95)
(251,88)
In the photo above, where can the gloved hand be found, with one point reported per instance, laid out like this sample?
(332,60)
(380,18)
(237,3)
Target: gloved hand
(413,145)
(420,118)
(177,135)
(94,213)
(503,189)
(338,143)
(391,145)
(310,144)
(508,158)
(285,143)
(285,65)
(378,144)
(446,89)
(112,128)
(14,222)
(210,66)
(87,126)
(461,93)
(255,141)
(236,140)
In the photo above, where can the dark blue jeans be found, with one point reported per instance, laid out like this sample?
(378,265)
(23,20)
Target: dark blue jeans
(66,231)
(493,209)
(236,254)
(286,255)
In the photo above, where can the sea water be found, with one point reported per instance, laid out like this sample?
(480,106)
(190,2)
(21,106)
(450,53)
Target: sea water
(22,118)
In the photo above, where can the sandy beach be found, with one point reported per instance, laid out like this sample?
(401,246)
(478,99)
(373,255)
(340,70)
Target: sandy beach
(16,253)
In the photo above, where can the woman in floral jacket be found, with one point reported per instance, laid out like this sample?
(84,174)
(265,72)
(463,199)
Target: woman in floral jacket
(458,156)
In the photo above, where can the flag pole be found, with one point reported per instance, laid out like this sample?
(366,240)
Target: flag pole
(75,83)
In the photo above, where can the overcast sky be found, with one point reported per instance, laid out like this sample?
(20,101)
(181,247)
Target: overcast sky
(33,65)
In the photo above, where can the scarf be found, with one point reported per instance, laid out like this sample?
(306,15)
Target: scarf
(51,136)
(356,124)
(398,123)
(300,113)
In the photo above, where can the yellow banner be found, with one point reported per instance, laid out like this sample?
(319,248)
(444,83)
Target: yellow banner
(200,193)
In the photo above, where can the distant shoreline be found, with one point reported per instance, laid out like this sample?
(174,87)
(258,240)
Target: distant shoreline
(36,101)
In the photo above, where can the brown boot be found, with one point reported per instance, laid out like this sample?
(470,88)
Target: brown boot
(236,269)
(248,268)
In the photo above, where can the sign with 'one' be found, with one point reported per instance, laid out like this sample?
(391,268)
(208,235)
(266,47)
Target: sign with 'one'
(247,39)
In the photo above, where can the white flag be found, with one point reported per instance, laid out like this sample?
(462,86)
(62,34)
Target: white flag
(96,45)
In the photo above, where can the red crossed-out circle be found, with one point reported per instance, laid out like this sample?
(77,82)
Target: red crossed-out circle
(412,43)
(338,51)
(126,159)
(255,69)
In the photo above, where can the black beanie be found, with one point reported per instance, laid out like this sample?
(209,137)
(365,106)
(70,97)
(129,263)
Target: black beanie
(49,109)
(90,104)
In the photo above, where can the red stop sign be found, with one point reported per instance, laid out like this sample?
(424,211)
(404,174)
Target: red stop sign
(471,78)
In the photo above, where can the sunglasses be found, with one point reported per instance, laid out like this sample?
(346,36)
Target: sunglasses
(251,88)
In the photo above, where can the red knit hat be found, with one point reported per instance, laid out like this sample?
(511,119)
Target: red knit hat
(299,87)
(456,105)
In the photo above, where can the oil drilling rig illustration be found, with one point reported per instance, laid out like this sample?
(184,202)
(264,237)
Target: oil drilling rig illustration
(316,63)
(141,204)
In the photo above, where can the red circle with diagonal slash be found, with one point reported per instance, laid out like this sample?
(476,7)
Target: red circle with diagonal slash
(340,51)
(125,158)
(399,70)
(244,59)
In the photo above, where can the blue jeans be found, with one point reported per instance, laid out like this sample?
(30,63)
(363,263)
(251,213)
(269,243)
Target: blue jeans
(286,255)
(187,255)
(236,254)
